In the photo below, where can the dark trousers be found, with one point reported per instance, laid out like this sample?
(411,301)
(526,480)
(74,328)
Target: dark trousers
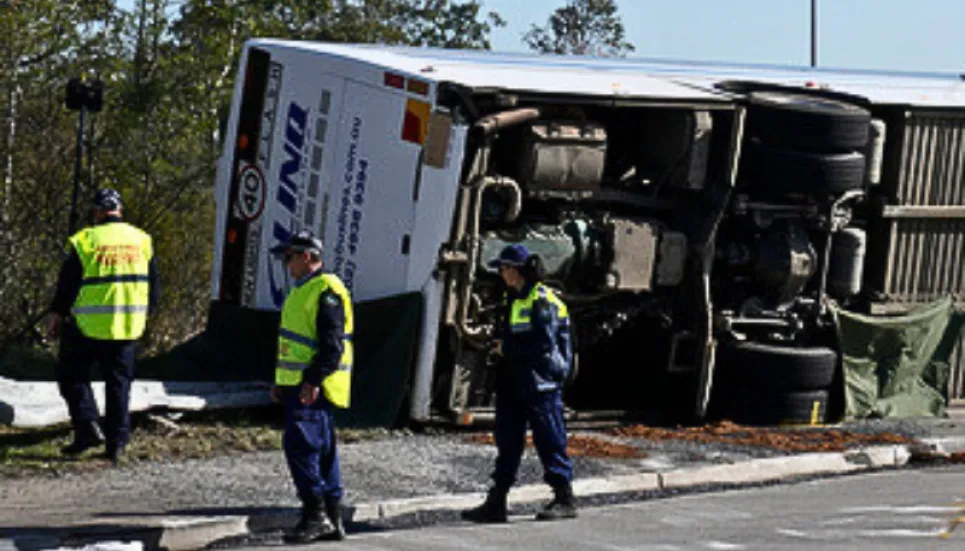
(116,361)
(543,412)
(310,448)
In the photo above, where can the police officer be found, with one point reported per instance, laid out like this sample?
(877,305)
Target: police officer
(313,376)
(106,289)
(534,337)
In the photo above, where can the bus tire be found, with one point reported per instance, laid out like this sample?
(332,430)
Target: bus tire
(765,407)
(780,368)
(778,170)
(800,121)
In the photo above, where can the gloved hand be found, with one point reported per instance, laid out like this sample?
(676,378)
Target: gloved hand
(308,394)
(54,322)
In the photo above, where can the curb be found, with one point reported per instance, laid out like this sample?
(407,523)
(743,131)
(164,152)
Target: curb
(197,532)
(174,533)
(940,446)
(745,472)
(384,510)
(190,533)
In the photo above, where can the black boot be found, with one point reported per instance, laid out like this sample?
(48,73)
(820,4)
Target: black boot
(312,526)
(333,510)
(114,454)
(87,435)
(562,505)
(492,510)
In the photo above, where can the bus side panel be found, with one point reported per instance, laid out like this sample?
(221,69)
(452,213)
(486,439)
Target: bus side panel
(370,206)
(435,207)
(296,162)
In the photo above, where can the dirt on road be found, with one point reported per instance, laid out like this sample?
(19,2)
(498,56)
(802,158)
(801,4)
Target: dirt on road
(783,439)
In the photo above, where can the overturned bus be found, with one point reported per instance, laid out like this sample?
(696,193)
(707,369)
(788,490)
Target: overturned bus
(698,220)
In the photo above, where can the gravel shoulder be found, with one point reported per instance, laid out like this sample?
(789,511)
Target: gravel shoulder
(205,477)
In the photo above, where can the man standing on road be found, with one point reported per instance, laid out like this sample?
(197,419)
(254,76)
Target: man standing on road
(313,376)
(106,289)
(534,337)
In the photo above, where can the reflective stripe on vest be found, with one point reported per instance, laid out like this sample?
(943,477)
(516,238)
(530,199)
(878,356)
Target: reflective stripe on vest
(112,302)
(297,338)
(520,316)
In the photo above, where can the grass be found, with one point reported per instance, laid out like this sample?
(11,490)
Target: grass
(36,452)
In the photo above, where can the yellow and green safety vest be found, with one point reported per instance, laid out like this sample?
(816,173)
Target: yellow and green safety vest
(535,363)
(298,338)
(520,314)
(112,303)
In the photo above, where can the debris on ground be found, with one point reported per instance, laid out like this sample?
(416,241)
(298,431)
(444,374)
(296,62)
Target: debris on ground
(941,458)
(580,445)
(783,439)
(164,422)
(156,438)
(780,439)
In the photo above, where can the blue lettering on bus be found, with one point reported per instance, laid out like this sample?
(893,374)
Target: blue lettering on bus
(287,195)
(287,189)
(348,233)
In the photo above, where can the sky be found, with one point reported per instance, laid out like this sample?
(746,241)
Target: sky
(902,35)
(907,35)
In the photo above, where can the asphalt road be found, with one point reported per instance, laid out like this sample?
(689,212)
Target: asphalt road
(896,510)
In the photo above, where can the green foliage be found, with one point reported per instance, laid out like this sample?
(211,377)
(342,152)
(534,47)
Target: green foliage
(450,24)
(581,27)
(168,67)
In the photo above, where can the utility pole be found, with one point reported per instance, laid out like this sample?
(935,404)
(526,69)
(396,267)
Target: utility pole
(90,155)
(814,33)
(81,96)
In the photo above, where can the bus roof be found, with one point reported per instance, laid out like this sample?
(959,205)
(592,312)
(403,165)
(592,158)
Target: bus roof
(636,78)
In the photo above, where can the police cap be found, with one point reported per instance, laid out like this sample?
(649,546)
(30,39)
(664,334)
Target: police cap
(300,241)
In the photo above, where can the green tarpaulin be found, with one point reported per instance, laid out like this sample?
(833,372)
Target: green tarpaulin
(897,366)
(240,345)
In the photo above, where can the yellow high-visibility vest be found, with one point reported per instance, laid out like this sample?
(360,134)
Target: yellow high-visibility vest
(298,338)
(520,315)
(115,290)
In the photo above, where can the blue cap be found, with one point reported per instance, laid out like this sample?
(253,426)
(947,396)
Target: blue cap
(107,200)
(302,240)
(511,255)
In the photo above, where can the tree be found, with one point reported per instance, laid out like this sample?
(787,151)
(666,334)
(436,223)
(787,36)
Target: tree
(581,27)
(448,24)
(169,68)
(41,43)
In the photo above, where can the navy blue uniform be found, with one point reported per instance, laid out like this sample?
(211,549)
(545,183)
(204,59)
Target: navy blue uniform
(78,352)
(536,359)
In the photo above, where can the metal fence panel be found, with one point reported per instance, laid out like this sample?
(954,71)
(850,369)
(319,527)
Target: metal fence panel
(921,233)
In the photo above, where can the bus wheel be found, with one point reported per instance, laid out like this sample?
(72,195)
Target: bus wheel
(807,122)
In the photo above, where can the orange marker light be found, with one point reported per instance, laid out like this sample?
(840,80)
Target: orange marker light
(418,87)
